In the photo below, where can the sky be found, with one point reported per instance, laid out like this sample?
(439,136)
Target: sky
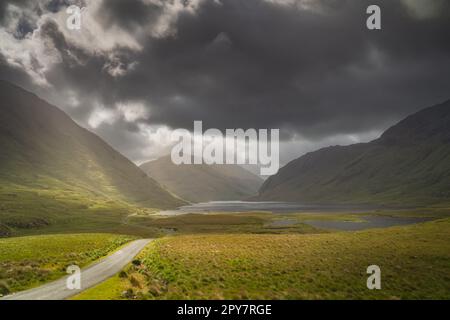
(138,69)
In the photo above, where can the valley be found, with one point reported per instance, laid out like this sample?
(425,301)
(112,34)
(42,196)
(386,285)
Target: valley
(221,232)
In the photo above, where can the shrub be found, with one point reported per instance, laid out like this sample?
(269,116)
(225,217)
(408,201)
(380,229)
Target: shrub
(136,262)
(4,288)
(135,282)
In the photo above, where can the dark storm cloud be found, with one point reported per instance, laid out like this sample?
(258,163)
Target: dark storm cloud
(71,55)
(259,64)
(5,3)
(14,75)
(128,14)
(316,72)
(26,23)
(57,5)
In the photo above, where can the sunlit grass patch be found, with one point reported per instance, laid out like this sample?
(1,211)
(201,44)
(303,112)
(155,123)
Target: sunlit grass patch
(30,261)
(414,260)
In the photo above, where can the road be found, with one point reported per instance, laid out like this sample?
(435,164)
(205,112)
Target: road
(91,276)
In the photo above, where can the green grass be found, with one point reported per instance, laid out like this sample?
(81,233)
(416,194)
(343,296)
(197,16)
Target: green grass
(262,222)
(111,289)
(27,262)
(414,261)
(32,210)
(221,223)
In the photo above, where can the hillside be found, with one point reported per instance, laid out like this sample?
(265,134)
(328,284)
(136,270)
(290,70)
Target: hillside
(50,164)
(200,183)
(408,165)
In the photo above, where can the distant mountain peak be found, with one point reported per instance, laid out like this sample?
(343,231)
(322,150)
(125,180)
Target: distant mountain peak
(202,182)
(427,124)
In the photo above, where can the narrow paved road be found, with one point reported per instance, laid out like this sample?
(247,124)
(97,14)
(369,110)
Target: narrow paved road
(90,276)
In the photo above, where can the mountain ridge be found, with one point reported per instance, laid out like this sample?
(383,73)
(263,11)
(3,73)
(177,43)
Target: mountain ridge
(49,163)
(408,164)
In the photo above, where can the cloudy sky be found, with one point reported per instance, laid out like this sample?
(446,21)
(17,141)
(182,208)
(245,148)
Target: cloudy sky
(137,69)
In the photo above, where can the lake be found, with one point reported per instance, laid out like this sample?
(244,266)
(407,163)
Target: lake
(369,221)
(274,207)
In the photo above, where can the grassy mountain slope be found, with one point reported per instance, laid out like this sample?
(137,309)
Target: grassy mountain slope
(408,165)
(49,164)
(199,183)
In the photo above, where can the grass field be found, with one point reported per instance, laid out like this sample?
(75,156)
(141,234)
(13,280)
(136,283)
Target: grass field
(414,262)
(34,210)
(27,262)
(28,211)
(212,223)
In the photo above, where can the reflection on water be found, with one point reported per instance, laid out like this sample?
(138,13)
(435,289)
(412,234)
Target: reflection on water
(274,207)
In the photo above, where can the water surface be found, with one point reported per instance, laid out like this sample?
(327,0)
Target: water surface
(274,207)
(368,222)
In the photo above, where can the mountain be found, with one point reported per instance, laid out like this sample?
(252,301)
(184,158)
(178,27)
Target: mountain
(408,165)
(201,182)
(49,163)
